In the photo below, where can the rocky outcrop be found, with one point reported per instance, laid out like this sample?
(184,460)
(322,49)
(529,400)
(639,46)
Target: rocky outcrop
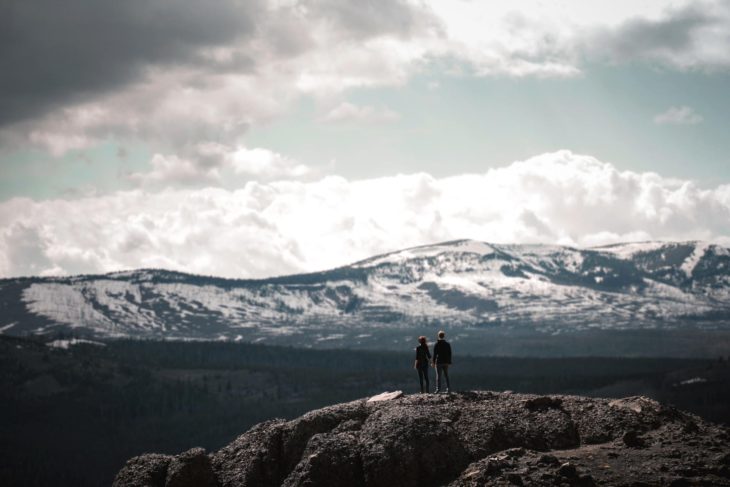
(462,439)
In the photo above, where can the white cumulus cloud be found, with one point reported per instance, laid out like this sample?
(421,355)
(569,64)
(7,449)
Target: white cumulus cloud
(218,165)
(264,229)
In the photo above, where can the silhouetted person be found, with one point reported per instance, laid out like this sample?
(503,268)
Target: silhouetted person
(423,356)
(442,360)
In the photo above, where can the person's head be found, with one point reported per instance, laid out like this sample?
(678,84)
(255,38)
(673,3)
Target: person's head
(422,340)
(442,335)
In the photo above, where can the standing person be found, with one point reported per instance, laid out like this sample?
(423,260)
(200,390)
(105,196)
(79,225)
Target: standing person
(421,364)
(442,360)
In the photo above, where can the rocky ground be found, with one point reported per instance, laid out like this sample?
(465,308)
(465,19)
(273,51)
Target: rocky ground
(461,439)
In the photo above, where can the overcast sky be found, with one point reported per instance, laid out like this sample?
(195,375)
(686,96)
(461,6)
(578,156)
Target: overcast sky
(263,137)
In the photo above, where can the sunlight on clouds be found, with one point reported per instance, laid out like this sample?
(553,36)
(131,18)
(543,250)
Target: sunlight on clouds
(265,229)
(263,163)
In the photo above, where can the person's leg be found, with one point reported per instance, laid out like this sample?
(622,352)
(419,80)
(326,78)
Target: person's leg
(420,377)
(446,375)
(425,376)
(438,377)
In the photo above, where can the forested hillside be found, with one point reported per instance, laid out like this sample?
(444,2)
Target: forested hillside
(73,416)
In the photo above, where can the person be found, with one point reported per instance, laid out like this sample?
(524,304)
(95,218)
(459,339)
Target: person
(442,361)
(421,364)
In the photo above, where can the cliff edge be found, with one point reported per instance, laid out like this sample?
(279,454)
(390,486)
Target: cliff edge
(461,439)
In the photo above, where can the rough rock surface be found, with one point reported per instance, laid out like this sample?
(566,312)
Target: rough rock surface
(462,439)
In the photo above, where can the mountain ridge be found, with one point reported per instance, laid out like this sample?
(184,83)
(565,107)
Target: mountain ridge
(162,270)
(460,284)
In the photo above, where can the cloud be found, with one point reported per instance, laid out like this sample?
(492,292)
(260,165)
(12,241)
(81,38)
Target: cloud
(696,36)
(265,164)
(280,227)
(347,112)
(51,54)
(170,169)
(218,164)
(171,74)
(174,76)
(532,38)
(682,115)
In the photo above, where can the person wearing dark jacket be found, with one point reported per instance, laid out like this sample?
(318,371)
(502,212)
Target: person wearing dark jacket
(442,360)
(421,365)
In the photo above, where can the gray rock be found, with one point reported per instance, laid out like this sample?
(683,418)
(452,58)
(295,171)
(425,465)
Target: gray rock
(632,439)
(568,470)
(148,470)
(543,402)
(461,439)
(190,469)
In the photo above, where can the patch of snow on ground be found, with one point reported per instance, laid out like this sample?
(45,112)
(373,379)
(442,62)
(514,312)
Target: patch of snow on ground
(114,294)
(63,303)
(462,282)
(693,380)
(462,246)
(399,257)
(472,246)
(720,251)
(334,336)
(65,344)
(7,327)
(573,261)
(545,257)
(628,250)
(690,262)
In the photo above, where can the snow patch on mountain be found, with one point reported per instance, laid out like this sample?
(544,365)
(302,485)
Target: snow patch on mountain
(691,262)
(64,303)
(7,327)
(627,251)
(65,344)
(461,283)
(425,251)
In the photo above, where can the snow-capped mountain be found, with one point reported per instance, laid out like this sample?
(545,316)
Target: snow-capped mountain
(459,284)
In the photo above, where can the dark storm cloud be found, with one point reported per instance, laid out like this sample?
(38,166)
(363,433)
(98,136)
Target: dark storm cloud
(53,53)
(677,38)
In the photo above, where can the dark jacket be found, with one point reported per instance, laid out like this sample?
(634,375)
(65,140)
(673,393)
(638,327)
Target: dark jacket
(442,352)
(422,355)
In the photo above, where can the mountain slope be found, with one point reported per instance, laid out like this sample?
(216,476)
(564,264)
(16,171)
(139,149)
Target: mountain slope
(460,284)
